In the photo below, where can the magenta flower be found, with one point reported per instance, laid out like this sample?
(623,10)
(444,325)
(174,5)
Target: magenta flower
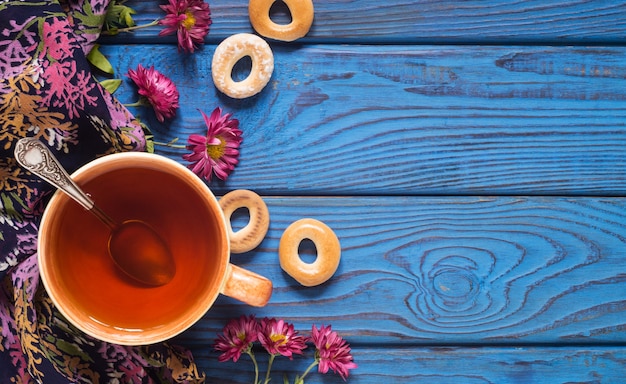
(157,89)
(189,19)
(333,351)
(280,338)
(237,337)
(217,151)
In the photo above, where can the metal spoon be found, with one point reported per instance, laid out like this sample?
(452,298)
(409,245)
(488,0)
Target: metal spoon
(133,245)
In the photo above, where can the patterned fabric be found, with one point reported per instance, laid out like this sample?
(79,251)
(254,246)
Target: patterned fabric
(47,91)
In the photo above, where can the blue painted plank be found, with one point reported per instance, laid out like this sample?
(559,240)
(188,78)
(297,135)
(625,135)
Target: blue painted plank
(536,283)
(451,271)
(466,365)
(427,22)
(428,120)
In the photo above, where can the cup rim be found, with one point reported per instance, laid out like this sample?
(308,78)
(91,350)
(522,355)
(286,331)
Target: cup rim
(113,334)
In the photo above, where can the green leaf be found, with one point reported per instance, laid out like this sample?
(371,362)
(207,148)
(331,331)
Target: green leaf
(111,85)
(119,15)
(98,60)
(149,136)
(150,144)
(126,16)
(112,31)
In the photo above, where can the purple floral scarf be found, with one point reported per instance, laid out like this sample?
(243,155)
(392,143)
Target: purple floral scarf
(47,91)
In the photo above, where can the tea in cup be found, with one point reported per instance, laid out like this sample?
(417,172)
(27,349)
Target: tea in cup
(96,296)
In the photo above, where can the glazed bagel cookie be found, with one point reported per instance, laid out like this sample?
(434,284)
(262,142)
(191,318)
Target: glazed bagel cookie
(328,252)
(233,49)
(301,19)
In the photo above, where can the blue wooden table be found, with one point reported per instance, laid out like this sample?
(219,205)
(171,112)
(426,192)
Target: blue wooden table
(471,157)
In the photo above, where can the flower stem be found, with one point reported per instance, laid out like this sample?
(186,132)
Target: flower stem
(129,29)
(139,103)
(171,144)
(269,368)
(256,366)
(313,365)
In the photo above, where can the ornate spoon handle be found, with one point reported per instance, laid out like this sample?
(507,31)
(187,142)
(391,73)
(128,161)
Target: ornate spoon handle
(33,155)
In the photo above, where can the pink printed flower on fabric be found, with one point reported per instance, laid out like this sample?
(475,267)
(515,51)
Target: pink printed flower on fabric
(189,19)
(332,350)
(237,338)
(280,338)
(56,37)
(217,151)
(157,89)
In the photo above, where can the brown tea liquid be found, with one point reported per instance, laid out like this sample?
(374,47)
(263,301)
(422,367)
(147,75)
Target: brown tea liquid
(88,275)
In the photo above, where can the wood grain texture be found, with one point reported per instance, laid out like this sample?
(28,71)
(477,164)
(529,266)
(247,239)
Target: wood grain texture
(427,120)
(452,271)
(428,22)
(466,365)
(470,156)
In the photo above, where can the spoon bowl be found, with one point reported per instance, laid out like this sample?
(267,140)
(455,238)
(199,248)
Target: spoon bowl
(140,253)
(135,247)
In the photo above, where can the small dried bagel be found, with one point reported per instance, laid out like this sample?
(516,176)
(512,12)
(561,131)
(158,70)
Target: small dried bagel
(250,236)
(328,252)
(301,19)
(233,49)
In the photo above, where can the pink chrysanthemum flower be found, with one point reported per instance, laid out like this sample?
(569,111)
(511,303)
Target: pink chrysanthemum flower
(218,150)
(237,338)
(157,89)
(280,338)
(189,19)
(332,350)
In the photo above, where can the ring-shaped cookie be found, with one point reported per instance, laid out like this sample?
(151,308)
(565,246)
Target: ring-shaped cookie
(251,235)
(233,49)
(301,19)
(328,252)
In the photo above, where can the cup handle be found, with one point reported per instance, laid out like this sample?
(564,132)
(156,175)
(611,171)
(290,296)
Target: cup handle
(246,286)
(250,236)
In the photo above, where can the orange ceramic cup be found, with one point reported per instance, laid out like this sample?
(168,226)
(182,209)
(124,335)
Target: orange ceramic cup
(95,296)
